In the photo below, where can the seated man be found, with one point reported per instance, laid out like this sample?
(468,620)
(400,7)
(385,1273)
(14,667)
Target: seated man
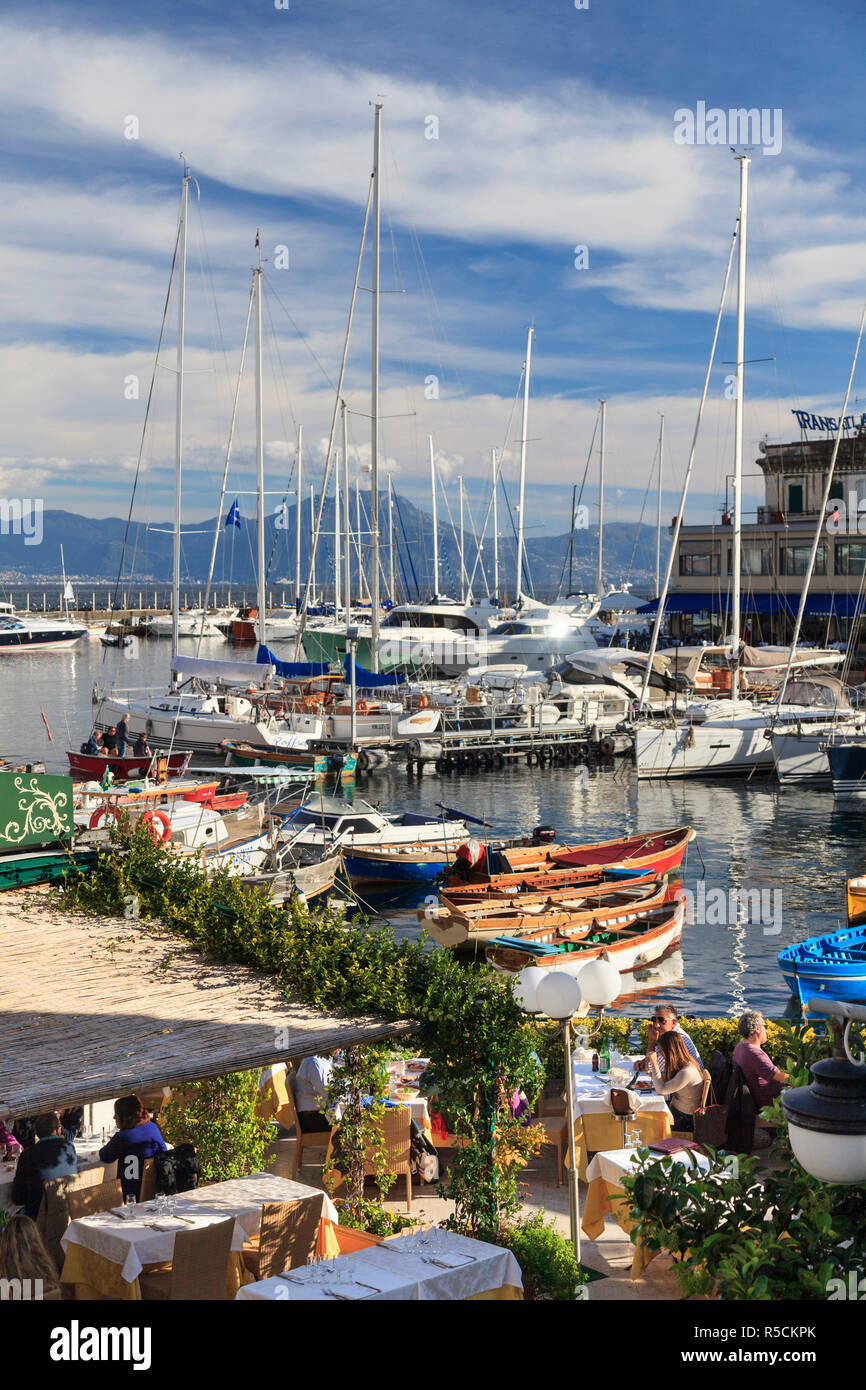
(665,1020)
(109,743)
(93,746)
(762,1077)
(311,1085)
(52,1156)
(141,747)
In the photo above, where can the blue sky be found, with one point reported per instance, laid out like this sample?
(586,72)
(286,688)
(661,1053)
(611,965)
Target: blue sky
(555,129)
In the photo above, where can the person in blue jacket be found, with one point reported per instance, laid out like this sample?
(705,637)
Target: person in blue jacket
(136,1140)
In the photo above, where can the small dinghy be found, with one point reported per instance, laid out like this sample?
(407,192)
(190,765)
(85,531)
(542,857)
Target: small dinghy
(635,943)
(833,964)
(658,852)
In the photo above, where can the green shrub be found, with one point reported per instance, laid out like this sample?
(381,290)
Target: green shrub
(218,1117)
(546,1258)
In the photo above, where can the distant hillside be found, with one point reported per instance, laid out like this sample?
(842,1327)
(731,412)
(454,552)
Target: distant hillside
(93,550)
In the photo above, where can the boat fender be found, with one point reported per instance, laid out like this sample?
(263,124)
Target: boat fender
(607,747)
(100,813)
(423,702)
(154,819)
(361,707)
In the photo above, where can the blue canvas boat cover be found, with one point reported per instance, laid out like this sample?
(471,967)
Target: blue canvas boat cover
(371,680)
(292,669)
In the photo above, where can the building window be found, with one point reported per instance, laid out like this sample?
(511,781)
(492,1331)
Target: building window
(850,557)
(692,563)
(754,559)
(795,497)
(794,559)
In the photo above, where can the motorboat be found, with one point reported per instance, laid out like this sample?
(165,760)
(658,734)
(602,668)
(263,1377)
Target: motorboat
(38,634)
(320,824)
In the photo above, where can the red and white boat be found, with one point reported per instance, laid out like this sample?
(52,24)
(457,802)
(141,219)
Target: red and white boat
(92,766)
(532,867)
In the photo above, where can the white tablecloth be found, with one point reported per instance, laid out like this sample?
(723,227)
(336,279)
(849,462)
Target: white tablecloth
(398,1270)
(86,1151)
(132,1243)
(592,1092)
(613,1163)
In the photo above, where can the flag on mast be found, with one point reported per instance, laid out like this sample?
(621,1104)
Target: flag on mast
(234,514)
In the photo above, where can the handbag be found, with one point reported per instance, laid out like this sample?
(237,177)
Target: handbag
(711,1123)
(176,1169)
(623,1102)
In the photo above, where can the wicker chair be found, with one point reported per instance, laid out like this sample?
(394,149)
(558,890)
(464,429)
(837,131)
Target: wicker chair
(288,1116)
(148,1181)
(199,1266)
(708,1081)
(86,1201)
(288,1237)
(54,1217)
(396,1141)
(555,1129)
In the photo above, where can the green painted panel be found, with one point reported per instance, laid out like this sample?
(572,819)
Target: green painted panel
(34,809)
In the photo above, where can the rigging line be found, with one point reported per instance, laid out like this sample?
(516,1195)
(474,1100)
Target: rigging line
(478,545)
(219,519)
(145,423)
(569,550)
(274,347)
(408,551)
(500,461)
(317,360)
(642,509)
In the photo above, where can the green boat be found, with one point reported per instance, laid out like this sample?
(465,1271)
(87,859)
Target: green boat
(329,644)
(36,829)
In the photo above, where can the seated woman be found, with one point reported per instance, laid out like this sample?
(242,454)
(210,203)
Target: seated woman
(682,1082)
(23,1256)
(137,1139)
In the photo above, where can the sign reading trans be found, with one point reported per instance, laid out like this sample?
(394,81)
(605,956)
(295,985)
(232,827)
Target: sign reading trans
(829,423)
(34,809)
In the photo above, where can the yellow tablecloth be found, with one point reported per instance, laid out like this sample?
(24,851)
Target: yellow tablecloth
(96,1277)
(595,1133)
(605,1198)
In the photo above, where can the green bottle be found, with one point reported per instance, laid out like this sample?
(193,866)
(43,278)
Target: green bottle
(604,1057)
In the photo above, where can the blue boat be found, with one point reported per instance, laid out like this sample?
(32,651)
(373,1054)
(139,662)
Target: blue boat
(848,768)
(833,964)
(395,864)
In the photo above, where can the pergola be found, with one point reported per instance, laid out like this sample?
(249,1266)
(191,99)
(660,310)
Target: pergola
(95,1007)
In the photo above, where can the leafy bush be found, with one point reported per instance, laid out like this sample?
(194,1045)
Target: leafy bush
(218,1117)
(374,1219)
(546,1258)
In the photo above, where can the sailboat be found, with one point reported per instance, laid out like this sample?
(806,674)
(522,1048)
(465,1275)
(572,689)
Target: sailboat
(217,700)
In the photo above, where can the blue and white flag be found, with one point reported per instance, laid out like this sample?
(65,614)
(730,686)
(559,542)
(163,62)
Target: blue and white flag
(234,514)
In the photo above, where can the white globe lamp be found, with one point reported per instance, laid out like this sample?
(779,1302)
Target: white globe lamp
(558,995)
(524,987)
(600,983)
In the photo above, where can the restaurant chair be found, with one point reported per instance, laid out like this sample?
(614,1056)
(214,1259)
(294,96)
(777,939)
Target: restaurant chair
(148,1181)
(53,1216)
(708,1081)
(199,1266)
(396,1141)
(318,1140)
(288,1236)
(555,1129)
(87,1201)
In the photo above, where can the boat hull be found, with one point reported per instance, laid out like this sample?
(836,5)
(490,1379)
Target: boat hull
(380,867)
(701,750)
(833,964)
(30,867)
(626,956)
(93,768)
(847,766)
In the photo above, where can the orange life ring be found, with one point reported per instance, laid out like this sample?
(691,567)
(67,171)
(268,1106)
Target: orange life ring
(99,814)
(423,702)
(150,819)
(361,706)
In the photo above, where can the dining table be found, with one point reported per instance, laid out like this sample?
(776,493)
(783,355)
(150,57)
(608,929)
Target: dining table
(86,1152)
(106,1252)
(606,1196)
(417,1266)
(596,1127)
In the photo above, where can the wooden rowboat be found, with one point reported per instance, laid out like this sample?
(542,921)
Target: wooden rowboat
(855,898)
(635,943)
(92,766)
(570,917)
(658,852)
(500,888)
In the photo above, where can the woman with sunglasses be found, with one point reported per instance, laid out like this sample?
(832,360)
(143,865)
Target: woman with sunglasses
(679,1078)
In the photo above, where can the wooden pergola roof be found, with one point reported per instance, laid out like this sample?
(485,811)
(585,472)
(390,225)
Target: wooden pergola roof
(92,1008)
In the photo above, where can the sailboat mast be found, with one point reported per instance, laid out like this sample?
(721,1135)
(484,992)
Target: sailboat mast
(298,498)
(599,583)
(338,557)
(312,533)
(347,514)
(374,394)
(495,531)
(462,566)
(178,427)
(523,433)
(260,456)
(744,162)
(435,522)
(659,505)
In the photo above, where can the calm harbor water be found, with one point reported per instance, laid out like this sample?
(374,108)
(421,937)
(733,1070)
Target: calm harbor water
(793,847)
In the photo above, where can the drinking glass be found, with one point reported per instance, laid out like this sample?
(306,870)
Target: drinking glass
(160,1204)
(170,1201)
(130,1204)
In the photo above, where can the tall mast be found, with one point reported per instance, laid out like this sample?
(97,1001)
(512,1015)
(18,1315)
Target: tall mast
(64,608)
(659,506)
(599,581)
(260,454)
(744,162)
(374,395)
(435,522)
(338,557)
(462,566)
(495,532)
(312,533)
(347,514)
(298,499)
(391,539)
(523,432)
(178,428)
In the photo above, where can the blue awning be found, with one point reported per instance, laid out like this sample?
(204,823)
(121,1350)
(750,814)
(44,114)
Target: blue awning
(817,605)
(298,670)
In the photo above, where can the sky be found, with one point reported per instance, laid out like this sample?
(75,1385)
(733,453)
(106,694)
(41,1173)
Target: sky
(513,133)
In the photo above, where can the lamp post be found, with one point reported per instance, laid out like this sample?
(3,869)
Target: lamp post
(558,995)
(827,1119)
